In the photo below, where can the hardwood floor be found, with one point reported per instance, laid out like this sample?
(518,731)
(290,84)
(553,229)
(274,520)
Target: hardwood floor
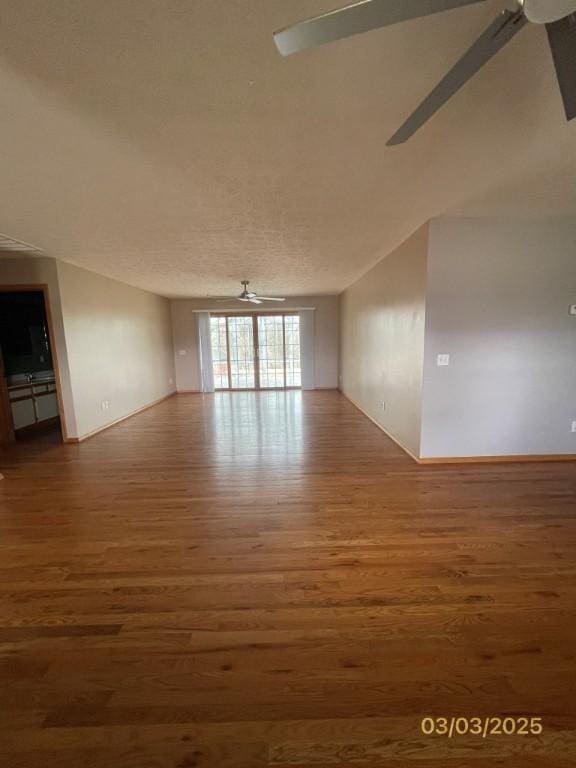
(266,580)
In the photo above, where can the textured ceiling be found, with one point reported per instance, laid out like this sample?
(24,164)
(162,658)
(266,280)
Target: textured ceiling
(165,142)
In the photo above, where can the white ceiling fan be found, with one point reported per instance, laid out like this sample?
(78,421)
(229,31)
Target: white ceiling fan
(249,296)
(559,16)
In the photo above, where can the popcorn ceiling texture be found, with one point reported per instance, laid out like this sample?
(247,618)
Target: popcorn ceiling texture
(165,143)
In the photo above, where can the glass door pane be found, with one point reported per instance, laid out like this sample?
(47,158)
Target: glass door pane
(219,352)
(241,346)
(292,350)
(271,351)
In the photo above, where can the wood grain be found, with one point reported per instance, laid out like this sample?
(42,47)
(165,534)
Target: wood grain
(265,579)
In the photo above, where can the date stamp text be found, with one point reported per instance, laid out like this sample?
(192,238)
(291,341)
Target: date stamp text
(451,727)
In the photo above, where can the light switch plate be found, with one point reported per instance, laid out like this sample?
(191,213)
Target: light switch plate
(443,360)
(573,309)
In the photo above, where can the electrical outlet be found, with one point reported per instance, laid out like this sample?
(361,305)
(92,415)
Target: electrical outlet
(573,309)
(104,405)
(574,426)
(443,359)
(181,353)
(170,381)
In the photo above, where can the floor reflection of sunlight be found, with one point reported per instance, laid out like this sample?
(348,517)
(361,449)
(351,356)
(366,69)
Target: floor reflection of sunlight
(258,429)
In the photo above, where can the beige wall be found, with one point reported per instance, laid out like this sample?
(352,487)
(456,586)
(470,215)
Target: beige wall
(23,270)
(119,344)
(382,340)
(325,328)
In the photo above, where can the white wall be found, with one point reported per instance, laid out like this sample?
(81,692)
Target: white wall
(382,340)
(325,327)
(23,270)
(498,303)
(119,343)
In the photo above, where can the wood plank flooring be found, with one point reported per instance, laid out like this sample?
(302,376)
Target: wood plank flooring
(264,579)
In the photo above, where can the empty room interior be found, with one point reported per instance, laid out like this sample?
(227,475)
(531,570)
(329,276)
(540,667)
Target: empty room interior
(288,384)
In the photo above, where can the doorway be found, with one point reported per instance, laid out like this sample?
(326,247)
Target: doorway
(29,398)
(256,351)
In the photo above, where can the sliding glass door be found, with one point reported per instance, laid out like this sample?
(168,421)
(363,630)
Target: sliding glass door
(241,352)
(219,344)
(256,351)
(279,351)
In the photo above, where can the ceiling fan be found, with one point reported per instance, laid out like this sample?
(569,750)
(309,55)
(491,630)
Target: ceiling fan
(250,296)
(559,16)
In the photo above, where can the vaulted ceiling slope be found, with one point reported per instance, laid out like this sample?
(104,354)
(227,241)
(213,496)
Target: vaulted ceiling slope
(167,144)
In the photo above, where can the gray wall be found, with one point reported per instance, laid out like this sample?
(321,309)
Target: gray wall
(185,337)
(382,340)
(498,302)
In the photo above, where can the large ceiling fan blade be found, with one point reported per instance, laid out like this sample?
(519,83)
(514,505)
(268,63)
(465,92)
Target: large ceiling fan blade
(269,298)
(356,18)
(562,39)
(253,301)
(500,32)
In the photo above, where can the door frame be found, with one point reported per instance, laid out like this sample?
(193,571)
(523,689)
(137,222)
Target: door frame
(42,288)
(7,434)
(256,344)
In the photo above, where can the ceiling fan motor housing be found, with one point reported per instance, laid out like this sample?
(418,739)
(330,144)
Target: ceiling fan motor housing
(547,11)
(246,294)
